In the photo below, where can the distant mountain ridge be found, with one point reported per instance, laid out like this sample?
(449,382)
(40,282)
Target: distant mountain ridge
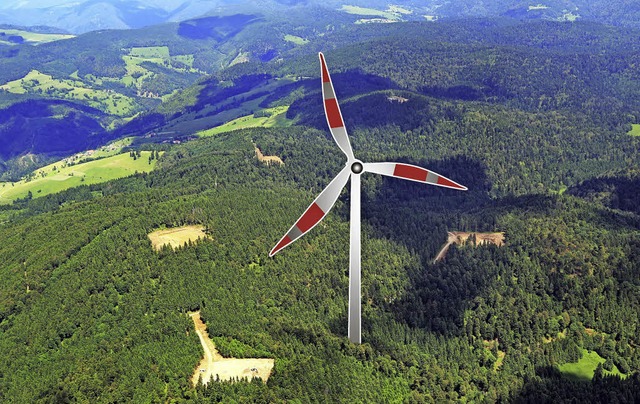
(90,15)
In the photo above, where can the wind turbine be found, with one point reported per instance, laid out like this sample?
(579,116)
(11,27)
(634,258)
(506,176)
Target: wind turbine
(327,198)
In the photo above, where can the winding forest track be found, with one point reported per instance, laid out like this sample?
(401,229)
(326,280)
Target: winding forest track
(215,365)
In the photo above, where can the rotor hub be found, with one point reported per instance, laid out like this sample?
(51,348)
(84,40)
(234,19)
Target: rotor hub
(357,167)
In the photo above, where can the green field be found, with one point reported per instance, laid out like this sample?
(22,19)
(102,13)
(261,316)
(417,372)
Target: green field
(159,55)
(36,82)
(275,117)
(296,39)
(586,366)
(635,130)
(48,181)
(34,37)
(369,12)
(109,150)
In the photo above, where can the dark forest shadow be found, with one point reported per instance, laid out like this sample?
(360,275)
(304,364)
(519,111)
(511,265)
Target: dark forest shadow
(550,386)
(418,217)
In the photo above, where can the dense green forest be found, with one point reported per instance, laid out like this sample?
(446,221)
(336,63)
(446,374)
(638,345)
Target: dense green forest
(90,312)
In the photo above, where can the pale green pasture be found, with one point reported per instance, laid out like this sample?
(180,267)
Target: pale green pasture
(35,37)
(369,11)
(276,117)
(48,181)
(296,39)
(585,368)
(36,82)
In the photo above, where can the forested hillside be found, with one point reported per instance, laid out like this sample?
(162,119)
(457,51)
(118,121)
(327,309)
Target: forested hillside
(536,124)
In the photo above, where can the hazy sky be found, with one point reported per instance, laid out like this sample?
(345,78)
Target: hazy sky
(13,4)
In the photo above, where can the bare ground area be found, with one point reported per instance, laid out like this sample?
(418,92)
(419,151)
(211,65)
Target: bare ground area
(215,365)
(176,237)
(268,160)
(461,238)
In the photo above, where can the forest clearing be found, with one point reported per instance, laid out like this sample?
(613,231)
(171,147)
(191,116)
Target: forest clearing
(585,368)
(213,364)
(268,160)
(176,236)
(461,238)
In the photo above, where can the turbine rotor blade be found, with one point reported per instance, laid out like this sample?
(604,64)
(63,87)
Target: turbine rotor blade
(316,211)
(413,173)
(332,112)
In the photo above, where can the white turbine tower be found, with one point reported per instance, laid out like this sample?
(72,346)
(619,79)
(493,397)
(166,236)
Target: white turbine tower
(327,198)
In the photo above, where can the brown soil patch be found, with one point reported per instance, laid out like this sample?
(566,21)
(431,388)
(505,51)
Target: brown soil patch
(461,238)
(215,365)
(590,331)
(176,237)
(268,160)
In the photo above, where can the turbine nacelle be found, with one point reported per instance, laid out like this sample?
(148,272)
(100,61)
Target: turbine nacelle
(357,167)
(327,198)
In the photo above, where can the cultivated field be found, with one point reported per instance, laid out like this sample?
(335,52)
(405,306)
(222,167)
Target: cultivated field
(59,176)
(215,365)
(176,237)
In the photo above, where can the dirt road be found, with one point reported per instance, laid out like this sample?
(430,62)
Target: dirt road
(460,238)
(215,365)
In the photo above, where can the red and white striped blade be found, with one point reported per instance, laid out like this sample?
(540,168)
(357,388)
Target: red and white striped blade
(332,112)
(316,212)
(413,173)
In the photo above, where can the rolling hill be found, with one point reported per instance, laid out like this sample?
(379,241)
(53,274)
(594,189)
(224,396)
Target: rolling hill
(136,70)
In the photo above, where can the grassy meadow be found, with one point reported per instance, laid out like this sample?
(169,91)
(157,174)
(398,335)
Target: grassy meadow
(584,369)
(296,39)
(36,82)
(59,176)
(34,38)
(274,117)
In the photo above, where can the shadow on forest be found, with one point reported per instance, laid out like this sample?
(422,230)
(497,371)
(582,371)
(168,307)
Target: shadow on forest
(419,217)
(218,28)
(309,109)
(617,192)
(550,386)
